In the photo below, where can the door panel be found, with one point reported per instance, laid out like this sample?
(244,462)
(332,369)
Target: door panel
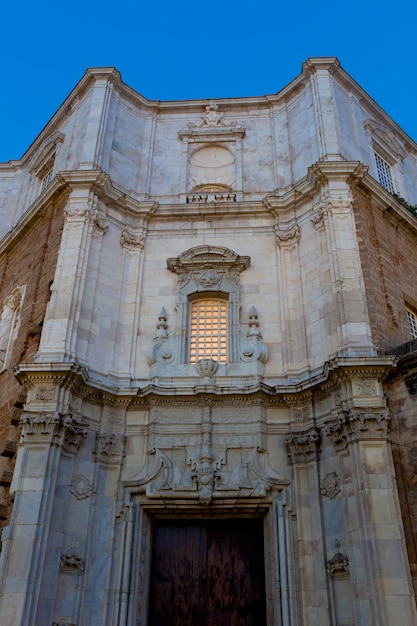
(207,574)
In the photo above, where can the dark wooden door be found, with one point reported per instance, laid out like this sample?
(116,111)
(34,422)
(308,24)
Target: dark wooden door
(207,574)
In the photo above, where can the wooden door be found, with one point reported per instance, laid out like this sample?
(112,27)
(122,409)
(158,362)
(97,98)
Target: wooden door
(207,574)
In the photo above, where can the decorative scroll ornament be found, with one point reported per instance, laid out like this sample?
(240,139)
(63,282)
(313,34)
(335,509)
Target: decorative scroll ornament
(161,351)
(303,446)
(254,349)
(330,486)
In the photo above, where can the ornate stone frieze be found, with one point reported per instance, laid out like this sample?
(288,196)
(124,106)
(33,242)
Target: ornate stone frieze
(81,487)
(303,446)
(253,349)
(288,236)
(46,393)
(71,562)
(365,387)
(109,447)
(357,424)
(330,485)
(206,477)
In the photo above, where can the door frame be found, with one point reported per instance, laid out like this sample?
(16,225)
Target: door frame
(134,550)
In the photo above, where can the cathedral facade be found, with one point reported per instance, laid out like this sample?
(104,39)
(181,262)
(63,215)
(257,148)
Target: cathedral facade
(208,361)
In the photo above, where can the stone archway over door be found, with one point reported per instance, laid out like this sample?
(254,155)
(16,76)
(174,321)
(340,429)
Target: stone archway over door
(209,573)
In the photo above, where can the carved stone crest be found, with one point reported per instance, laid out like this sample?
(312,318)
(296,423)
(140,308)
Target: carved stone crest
(329,486)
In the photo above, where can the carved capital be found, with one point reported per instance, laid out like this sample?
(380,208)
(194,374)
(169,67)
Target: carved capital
(131,241)
(288,236)
(303,446)
(353,425)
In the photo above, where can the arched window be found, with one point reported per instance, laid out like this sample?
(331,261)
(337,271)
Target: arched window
(208,329)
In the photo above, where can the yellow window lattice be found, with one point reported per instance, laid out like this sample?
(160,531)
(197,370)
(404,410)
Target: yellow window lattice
(208,331)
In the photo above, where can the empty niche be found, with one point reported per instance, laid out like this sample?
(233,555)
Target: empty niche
(212,168)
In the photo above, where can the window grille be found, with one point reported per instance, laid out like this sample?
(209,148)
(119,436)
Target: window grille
(412,324)
(384,173)
(47,179)
(208,330)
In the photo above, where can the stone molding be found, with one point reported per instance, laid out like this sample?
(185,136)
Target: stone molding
(288,236)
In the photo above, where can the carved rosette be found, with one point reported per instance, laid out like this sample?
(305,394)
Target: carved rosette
(303,446)
(109,447)
(81,487)
(353,425)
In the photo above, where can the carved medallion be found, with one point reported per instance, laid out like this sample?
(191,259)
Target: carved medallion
(81,487)
(330,486)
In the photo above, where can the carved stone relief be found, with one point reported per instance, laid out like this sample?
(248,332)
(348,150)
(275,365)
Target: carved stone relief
(71,562)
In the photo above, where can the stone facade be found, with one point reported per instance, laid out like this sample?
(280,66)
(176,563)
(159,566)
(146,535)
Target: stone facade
(125,217)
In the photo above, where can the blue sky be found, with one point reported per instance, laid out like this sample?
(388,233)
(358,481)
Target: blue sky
(183,50)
